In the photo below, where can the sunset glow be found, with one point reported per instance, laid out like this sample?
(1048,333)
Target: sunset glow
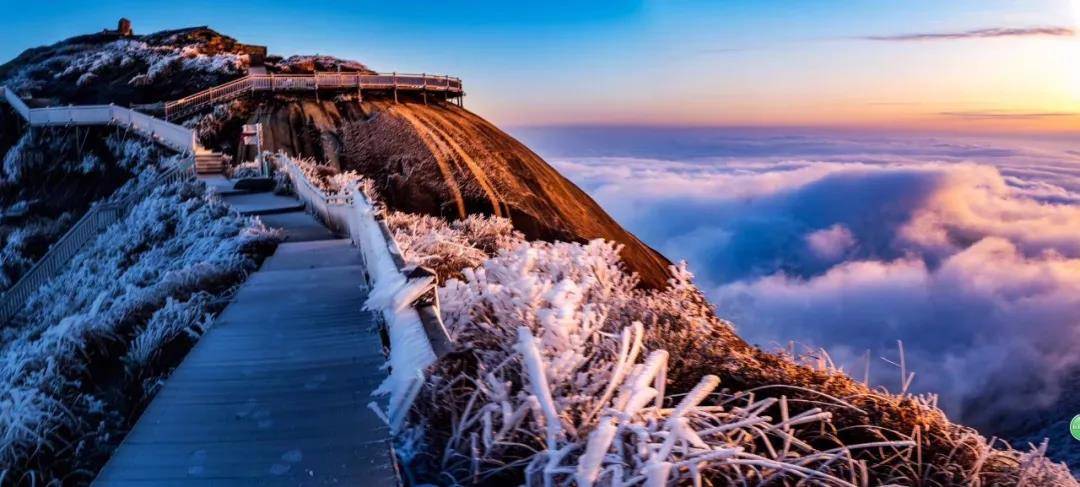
(922,65)
(591,243)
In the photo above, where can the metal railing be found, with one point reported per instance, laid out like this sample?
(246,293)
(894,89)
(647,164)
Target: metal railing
(173,136)
(169,134)
(311,82)
(90,225)
(351,213)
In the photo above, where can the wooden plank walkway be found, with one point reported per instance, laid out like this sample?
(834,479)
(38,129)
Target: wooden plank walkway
(275,393)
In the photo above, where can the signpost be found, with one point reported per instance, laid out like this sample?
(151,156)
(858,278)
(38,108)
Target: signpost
(252,135)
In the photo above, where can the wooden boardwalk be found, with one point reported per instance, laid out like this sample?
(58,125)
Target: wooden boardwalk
(276,392)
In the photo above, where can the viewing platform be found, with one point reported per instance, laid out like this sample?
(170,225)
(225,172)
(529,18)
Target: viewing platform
(387,83)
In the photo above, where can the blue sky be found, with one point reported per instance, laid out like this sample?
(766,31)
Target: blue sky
(664,62)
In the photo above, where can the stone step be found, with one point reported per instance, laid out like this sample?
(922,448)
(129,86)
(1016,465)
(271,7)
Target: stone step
(209,163)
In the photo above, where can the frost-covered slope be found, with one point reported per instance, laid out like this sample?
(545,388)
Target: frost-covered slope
(123,312)
(48,179)
(106,68)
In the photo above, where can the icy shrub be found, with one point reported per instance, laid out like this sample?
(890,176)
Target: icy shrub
(23,245)
(449,247)
(86,79)
(167,323)
(326,178)
(312,63)
(570,394)
(91,163)
(209,126)
(93,336)
(250,169)
(132,153)
(20,159)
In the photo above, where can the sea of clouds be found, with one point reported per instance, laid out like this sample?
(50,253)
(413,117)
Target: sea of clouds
(967,250)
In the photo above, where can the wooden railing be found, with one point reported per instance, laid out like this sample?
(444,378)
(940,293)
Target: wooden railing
(90,225)
(312,82)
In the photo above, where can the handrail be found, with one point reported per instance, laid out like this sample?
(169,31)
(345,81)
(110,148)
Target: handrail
(166,133)
(93,222)
(409,293)
(311,82)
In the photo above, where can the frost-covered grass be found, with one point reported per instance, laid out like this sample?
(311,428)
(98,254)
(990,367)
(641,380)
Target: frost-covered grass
(568,373)
(324,177)
(97,337)
(449,247)
(48,180)
(21,245)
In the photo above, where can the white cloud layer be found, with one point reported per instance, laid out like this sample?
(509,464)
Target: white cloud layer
(968,253)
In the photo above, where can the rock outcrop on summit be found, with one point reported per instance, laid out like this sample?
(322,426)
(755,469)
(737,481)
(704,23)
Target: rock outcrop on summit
(442,160)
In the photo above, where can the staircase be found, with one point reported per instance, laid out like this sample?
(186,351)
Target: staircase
(207,162)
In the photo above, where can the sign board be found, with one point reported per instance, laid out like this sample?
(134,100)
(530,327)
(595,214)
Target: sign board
(252,134)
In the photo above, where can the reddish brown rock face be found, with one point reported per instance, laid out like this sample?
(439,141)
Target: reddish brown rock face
(443,160)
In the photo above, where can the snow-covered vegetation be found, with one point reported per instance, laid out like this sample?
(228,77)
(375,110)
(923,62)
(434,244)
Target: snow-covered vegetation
(250,169)
(326,178)
(84,63)
(22,244)
(209,126)
(571,374)
(450,247)
(311,63)
(48,181)
(94,340)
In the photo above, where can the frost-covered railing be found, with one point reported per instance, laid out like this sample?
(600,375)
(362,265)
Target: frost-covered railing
(92,223)
(173,136)
(311,82)
(405,296)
